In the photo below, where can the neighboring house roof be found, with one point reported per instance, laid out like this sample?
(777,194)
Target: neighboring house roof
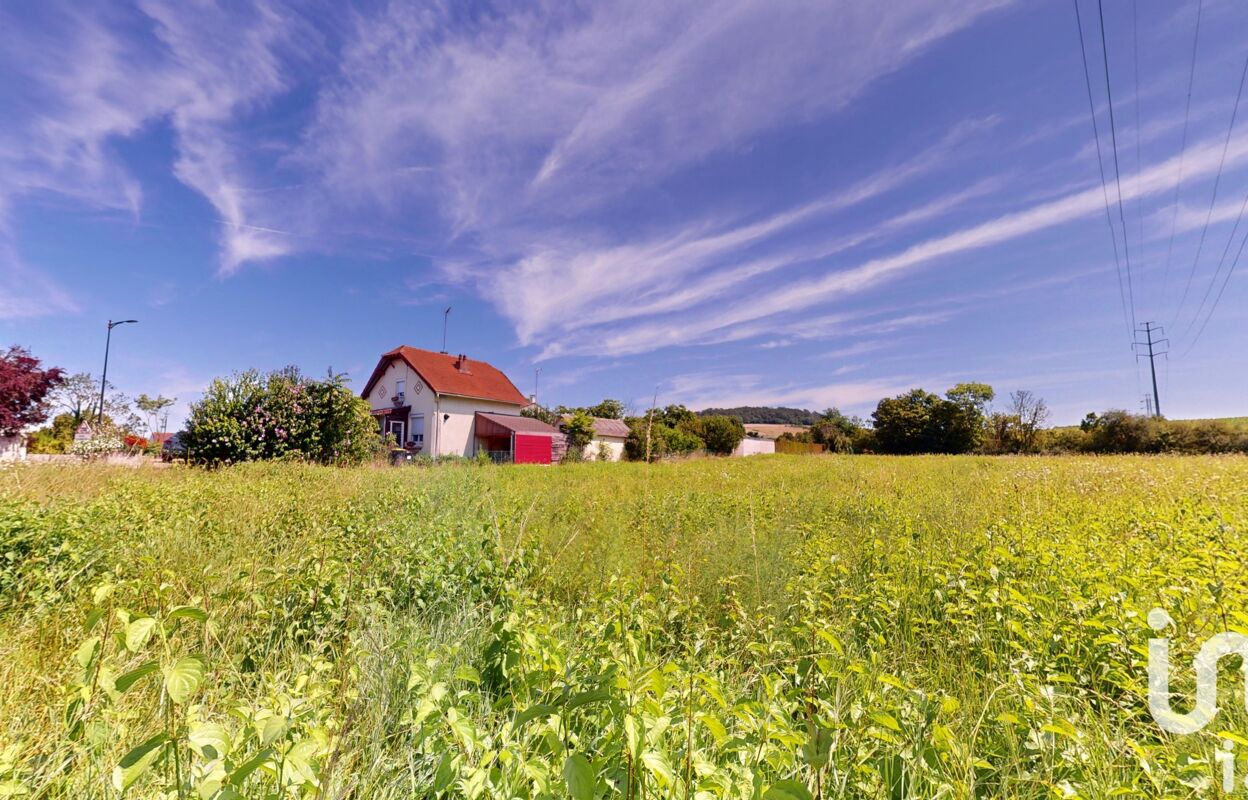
(506,424)
(160,437)
(447,374)
(606,427)
(613,428)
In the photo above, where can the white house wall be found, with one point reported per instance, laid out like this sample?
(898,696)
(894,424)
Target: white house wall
(12,448)
(421,402)
(614,445)
(755,447)
(455,422)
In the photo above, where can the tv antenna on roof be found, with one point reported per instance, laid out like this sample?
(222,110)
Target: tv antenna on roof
(445,315)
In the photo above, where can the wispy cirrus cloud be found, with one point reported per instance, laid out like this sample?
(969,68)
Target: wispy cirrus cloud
(197,68)
(715,325)
(562,111)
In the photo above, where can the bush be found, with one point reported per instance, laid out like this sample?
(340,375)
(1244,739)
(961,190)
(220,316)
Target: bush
(579,430)
(1117,431)
(283,415)
(722,433)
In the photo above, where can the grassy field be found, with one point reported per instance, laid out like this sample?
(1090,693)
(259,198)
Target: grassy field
(775,627)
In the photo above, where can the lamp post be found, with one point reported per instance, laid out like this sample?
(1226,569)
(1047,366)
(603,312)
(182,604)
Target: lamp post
(108,340)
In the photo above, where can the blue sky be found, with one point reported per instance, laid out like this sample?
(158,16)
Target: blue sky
(807,204)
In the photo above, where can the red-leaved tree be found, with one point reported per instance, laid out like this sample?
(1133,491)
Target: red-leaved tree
(24,386)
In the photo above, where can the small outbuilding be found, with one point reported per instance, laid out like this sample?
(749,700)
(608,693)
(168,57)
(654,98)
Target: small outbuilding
(608,442)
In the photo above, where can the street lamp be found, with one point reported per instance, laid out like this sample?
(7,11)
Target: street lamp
(108,340)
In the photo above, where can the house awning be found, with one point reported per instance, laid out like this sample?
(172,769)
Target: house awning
(401,411)
(506,424)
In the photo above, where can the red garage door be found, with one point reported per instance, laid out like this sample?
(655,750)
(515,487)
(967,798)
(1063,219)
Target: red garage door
(532,448)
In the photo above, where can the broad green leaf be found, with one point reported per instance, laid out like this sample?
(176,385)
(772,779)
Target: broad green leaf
(101,593)
(138,632)
(467,673)
(187,612)
(592,696)
(580,777)
(885,719)
(271,729)
(716,727)
(136,762)
(529,714)
(787,790)
(298,764)
(87,652)
(184,678)
(244,770)
(123,684)
(656,762)
(209,739)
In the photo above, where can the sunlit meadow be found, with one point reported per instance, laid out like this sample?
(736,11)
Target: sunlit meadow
(774,627)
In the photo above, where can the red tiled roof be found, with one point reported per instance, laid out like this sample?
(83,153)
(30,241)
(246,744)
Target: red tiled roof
(512,424)
(444,375)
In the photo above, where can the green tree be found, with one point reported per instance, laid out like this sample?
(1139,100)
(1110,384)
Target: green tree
(607,409)
(961,419)
(155,411)
(922,422)
(579,430)
(907,423)
(722,434)
(665,440)
(542,413)
(835,431)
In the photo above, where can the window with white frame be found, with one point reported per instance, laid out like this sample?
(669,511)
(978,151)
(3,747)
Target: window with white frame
(417,430)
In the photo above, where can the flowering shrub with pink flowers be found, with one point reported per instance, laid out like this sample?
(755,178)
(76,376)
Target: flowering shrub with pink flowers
(282,415)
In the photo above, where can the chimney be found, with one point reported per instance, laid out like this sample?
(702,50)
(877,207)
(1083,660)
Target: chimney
(461,364)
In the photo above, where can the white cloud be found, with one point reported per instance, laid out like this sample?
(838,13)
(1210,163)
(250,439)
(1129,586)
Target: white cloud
(717,325)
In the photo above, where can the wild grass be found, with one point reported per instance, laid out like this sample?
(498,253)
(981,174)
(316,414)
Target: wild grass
(768,627)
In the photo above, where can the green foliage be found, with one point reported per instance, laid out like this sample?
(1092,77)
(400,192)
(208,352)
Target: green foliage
(672,431)
(921,422)
(283,415)
(56,438)
(578,428)
(776,628)
(765,415)
(540,412)
(722,434)
(607,409)
(1117,431)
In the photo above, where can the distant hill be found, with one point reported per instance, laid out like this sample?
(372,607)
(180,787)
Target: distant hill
(766,415)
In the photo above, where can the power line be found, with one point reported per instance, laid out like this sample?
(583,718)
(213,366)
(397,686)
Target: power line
(1113,132)
(1187,110)
(1218,298)
(1213,200)
(1096,133)
(1217,272)
(1139,161)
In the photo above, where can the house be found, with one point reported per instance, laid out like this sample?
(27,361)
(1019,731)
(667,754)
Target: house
(609,438)
(750,446)
(443,405)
